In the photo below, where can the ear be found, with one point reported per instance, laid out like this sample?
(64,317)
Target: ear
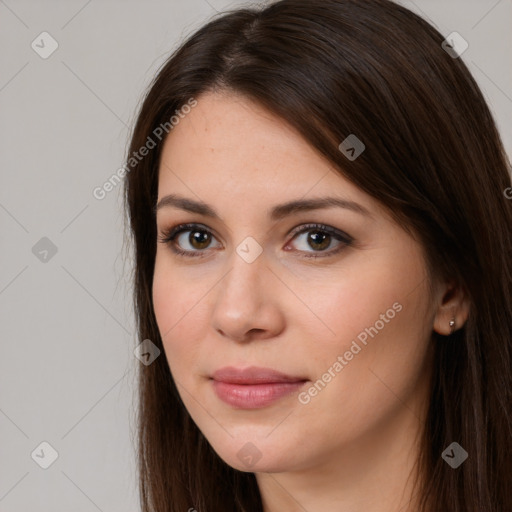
(451,303)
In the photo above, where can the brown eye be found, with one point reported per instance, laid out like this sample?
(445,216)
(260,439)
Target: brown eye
(318,240)
(187,239)
(192,240)
(320,237)
(199,239)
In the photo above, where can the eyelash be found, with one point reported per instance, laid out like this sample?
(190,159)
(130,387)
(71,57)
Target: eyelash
(168,236)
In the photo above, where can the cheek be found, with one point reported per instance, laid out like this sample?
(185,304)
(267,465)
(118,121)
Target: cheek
(374,294)
(376,319)
(177,295)
(380,324)
(178,306)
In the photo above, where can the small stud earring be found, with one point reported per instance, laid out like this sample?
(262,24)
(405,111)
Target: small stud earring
(452,325)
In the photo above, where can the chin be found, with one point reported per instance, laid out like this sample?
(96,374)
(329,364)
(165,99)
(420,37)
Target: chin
(262,466)
(254,458)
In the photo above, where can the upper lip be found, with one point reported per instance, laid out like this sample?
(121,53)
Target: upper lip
(252,375)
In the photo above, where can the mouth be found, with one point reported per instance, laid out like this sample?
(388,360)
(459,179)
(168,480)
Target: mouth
(254,387)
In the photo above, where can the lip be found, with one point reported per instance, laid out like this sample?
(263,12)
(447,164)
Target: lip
(252,375)
(253,387)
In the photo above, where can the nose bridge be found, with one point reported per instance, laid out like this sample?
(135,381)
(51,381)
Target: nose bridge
(242,303)
(247,265)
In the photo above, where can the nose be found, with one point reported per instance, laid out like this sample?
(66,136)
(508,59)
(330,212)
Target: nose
(247,306)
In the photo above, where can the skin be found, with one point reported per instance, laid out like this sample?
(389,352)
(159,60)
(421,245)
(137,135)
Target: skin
(353,446)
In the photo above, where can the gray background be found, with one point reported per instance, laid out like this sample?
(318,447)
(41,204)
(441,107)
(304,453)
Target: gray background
(67,328)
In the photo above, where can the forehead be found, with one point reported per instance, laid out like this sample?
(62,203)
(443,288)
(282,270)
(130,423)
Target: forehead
(229,144)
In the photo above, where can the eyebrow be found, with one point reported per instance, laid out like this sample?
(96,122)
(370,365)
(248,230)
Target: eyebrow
(276,213)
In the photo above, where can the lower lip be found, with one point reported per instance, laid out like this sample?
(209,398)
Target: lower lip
(254,396)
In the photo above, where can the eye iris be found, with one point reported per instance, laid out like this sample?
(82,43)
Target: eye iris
(202,239)
(318,237)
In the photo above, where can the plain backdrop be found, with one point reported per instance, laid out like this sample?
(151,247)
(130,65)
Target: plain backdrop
(67,365)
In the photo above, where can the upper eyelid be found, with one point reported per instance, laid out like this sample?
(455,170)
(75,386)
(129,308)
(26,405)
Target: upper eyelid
(186,226)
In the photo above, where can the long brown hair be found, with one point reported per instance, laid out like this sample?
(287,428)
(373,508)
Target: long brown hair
(433,157)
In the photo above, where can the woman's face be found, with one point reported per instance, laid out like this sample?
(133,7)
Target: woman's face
(350,328)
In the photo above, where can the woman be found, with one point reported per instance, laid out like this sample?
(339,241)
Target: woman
(322,255)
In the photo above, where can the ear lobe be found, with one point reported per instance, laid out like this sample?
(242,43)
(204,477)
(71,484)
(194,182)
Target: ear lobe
(452,309)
